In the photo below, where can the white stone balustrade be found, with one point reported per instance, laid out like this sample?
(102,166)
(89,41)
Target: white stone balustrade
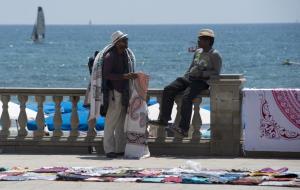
(224,96)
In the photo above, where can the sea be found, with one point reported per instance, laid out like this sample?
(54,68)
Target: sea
(257,51)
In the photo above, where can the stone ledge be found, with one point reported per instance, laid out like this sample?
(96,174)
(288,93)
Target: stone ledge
(267,154)
(168,147)
(227,76)
(82,146)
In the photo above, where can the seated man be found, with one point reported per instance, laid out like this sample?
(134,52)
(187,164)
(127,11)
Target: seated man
(206,62)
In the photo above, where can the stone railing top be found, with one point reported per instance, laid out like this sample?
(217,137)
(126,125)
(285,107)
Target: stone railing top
(228,78)
(63,91)
(43,91)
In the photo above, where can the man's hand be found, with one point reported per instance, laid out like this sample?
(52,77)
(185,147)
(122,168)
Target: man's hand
(130,76)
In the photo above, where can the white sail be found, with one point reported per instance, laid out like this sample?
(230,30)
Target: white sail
(38,32)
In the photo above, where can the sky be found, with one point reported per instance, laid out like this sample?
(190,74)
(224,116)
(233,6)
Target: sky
(151,11)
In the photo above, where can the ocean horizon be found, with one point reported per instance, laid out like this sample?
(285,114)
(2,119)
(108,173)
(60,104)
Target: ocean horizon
(151,24)
(255,50)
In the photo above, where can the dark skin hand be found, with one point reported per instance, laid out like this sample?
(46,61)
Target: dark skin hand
(130,76)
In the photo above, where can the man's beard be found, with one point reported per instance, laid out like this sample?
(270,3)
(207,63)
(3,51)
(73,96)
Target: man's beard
(125,46)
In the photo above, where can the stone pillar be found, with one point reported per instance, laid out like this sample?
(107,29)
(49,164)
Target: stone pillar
(91,133)
(225,104)
(74,117)
(57,120)
(40,118)
(5,119)
(22,119)
(196,120)
(178,138)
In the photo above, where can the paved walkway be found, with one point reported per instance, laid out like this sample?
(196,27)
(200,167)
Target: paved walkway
(36,161)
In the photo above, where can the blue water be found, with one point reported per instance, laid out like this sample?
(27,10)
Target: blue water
(256,51)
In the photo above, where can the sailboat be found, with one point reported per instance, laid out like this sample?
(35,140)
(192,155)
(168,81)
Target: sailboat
(38,32)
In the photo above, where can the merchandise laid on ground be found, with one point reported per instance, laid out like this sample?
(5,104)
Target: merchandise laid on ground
(190,173)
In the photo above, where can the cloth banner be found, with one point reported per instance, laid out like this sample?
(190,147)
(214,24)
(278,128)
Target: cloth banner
(136,120)
(271,118)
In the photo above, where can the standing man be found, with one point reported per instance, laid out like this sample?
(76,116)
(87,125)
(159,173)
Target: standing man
(118,63)
(206,62)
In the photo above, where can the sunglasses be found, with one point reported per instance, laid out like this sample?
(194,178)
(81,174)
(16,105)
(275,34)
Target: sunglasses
(124,39)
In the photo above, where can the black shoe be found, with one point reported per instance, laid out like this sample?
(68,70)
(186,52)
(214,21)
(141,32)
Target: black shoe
(158,122)
(120,153)
(111,155)
(178,131)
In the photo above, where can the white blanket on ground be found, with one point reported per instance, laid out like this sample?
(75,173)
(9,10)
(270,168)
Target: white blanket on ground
(136,120)
(271,118)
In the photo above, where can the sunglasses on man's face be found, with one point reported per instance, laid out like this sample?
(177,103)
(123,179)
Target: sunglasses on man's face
(124,40)
(203,38)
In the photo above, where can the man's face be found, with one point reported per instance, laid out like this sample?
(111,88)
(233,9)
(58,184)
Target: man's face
(203,42)
(123,43)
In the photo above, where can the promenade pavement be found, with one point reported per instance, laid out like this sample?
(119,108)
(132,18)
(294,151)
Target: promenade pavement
(37,161)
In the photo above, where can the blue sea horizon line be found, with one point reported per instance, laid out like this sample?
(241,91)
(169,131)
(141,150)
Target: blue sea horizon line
(163,24)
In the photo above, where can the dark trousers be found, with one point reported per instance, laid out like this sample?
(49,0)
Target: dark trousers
(190,90)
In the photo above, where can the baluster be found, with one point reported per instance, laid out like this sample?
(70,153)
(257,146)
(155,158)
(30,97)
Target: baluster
(161,134)
(57,117)
(178,101)
(196,121)
(22,119)
(74,117)
(5,119)
(40,118)
(91,131)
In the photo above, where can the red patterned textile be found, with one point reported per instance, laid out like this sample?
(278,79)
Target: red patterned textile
(271,118)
